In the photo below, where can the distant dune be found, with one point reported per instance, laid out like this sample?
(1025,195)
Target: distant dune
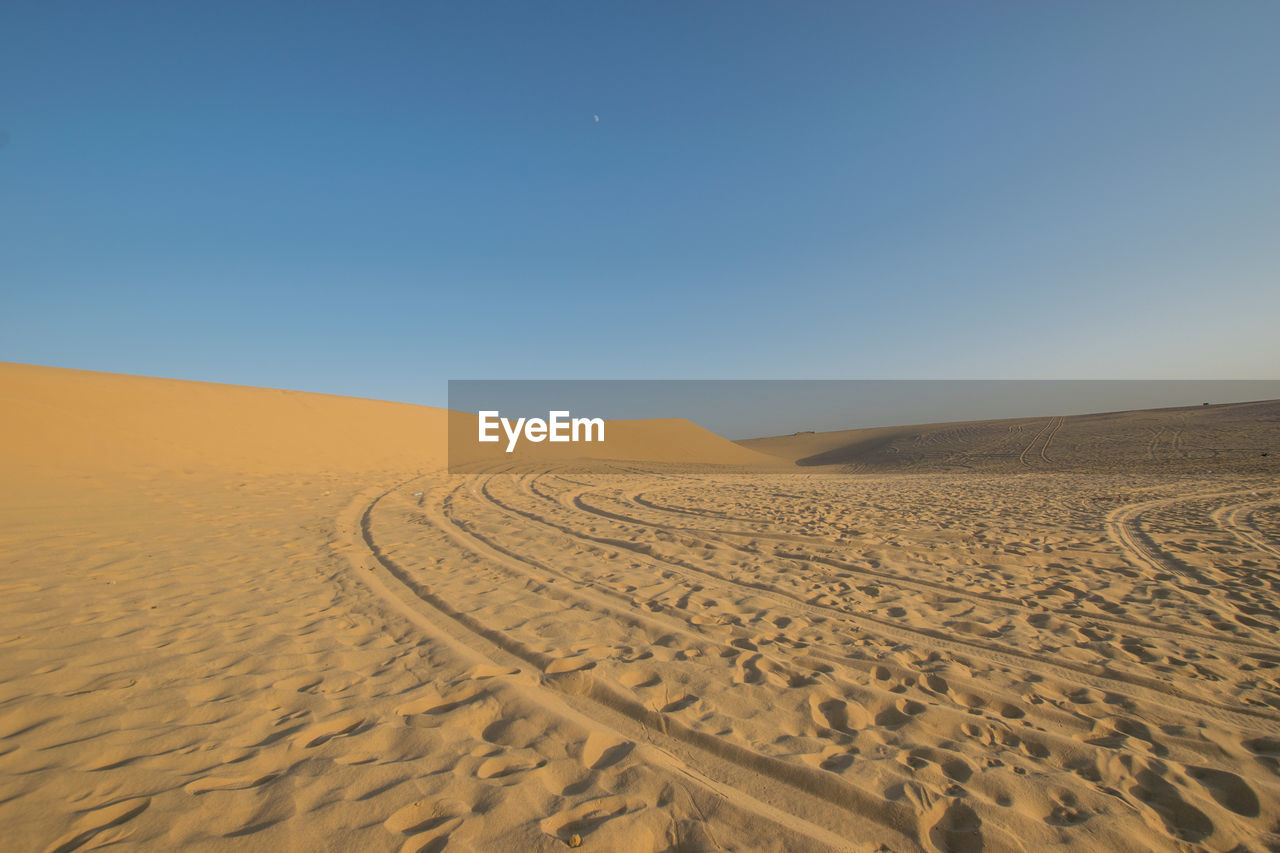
(1185,438)
(82,427)
(84,424)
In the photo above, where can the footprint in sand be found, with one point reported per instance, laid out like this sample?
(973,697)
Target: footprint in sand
(937,684)
(955,828)
(1181,819)
(428,824)
(509,763)
(1067,811)
(679,704)
(1228,789)
(603,750)
(835,761)
(898,714)
(583,819)
(514,731)
(838,715)
(1011,712)
(746,670)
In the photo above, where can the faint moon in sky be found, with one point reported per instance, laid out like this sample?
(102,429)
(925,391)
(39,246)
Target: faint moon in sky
(597,119)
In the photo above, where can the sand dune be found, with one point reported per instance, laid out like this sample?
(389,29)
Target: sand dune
(1228,435)
(84,430)
(270,620)
(98,430)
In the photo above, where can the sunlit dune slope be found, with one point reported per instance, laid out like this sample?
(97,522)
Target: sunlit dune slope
(79,424)
(83,427)
(1235,435)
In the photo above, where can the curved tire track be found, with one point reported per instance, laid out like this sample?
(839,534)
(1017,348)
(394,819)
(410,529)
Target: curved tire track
(1176,634)
(1159,692)
(715,761)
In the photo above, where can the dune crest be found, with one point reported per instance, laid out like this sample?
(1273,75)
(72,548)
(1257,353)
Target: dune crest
(61,423)
(1186,438)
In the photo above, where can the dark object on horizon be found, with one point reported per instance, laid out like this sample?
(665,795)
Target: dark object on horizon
(1204,404)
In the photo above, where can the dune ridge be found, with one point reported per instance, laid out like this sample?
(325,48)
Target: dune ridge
(1183,437)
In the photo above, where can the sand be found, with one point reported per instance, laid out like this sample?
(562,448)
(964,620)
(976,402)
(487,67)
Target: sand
(237,619)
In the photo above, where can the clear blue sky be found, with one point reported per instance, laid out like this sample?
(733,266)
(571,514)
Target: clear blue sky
(370,199)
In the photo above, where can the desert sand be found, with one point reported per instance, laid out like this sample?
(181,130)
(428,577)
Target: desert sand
(244,619)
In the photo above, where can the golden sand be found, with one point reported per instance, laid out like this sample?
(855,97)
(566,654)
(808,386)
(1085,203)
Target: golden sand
(235,618)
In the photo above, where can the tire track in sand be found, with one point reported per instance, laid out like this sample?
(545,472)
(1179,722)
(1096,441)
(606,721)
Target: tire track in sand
(713,763)
(1022,457)
(936,587)
(1236,518)
(1049,440)
(1124,527)
(1161,694)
